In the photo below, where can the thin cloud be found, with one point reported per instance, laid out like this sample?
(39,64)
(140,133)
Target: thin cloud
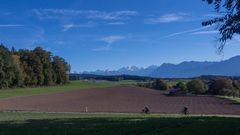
(116,23)
(105,48)
(167,18)
(212,15)
(118,15)
(109,40)
(90,14)
(67,27)
(185,32)
(205,32)
(112,39)
(11,25)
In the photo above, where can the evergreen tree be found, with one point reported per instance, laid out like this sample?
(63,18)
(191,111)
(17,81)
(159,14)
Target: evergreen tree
(30,63)
(61,69)
(45,58)
(18,71)
(6,68)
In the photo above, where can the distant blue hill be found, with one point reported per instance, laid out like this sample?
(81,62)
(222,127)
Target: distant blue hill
(230,67)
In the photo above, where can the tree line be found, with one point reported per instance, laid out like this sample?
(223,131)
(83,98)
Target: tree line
(30,68)
(76,76)
(214,86)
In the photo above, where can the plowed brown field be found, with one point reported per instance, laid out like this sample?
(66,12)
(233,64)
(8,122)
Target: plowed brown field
(119,99)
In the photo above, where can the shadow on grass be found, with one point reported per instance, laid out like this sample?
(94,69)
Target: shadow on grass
(124,126)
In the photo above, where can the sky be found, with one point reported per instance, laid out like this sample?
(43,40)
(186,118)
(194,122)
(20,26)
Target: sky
(110,34)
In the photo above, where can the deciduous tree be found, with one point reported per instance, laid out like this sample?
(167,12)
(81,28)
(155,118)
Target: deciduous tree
(228,23)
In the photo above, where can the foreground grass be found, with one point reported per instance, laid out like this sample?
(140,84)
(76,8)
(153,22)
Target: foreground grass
(114,124)
(74,85)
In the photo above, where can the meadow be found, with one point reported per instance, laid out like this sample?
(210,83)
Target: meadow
(73,85)
(118,124)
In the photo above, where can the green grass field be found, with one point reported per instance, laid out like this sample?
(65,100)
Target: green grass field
(234,99)
(13,123)
(74,85)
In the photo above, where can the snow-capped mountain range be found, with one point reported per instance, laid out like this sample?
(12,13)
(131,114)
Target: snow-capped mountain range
(230,67)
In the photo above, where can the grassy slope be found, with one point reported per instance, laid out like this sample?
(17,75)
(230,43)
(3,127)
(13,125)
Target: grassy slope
(234,99)
(117,124)
(75,85)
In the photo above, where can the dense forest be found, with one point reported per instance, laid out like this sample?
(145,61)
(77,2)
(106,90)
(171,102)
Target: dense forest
(30,68)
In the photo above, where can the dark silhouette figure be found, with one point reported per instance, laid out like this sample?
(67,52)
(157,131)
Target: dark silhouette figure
(146,110)
(185,111)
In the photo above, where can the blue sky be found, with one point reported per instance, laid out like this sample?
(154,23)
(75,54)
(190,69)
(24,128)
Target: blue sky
(109,34)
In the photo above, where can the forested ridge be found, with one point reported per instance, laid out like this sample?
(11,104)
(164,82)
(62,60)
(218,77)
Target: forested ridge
(30,68)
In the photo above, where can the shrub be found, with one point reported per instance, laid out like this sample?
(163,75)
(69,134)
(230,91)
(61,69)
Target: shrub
(181,86)
(197,86)
(160,85)
(218,85)
(236,84)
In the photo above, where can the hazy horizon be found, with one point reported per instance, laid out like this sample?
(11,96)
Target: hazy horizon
(93,35)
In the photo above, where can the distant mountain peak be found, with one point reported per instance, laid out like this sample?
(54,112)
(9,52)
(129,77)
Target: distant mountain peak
(235,58)
(229,67)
